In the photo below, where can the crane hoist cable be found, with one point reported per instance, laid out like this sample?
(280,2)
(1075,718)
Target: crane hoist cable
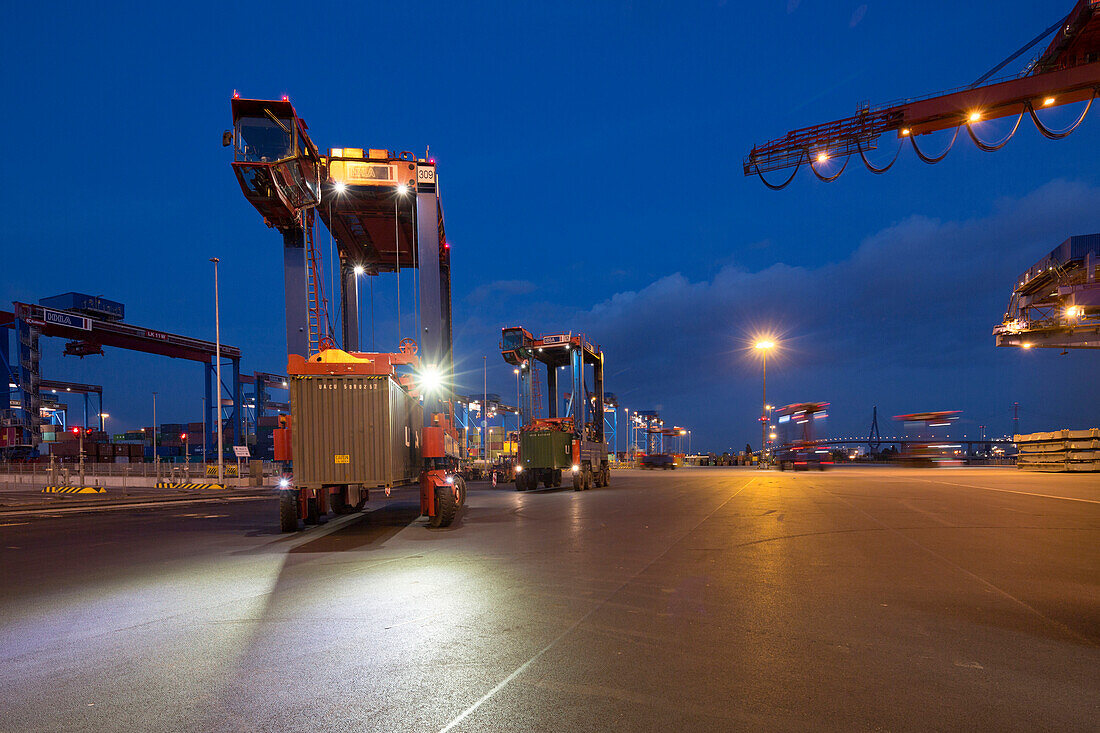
(994,147)
(874,169)
(830,179)
(1051,134)
(780,186)
(932,160)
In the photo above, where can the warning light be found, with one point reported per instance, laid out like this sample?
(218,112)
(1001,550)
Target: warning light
(236,94)
(76,431)
(286,98)
(183,436)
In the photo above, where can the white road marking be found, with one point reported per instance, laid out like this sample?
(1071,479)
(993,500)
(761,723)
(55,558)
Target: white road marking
(1010,491)
(520,670)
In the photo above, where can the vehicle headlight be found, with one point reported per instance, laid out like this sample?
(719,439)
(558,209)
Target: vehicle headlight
(519,469)
(576,468)
(450,479)
(284,483)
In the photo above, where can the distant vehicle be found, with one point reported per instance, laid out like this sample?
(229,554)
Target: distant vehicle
(659,460)
(796,429)
(923,448)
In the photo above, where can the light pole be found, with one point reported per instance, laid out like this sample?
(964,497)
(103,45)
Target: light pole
(186,451)
(484,410)
(763,347)
(218,369)
(103,421)
(156,458)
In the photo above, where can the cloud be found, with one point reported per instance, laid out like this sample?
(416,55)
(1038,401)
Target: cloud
(904,322)
(502,288)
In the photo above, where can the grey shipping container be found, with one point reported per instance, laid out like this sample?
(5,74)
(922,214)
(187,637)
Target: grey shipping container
(353,429)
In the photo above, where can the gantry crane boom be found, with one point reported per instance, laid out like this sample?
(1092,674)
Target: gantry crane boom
(1068,71)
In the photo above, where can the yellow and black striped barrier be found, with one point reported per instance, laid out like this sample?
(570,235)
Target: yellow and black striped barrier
(74,490)
(166,485)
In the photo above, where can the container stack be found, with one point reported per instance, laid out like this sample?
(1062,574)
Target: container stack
(1061,450)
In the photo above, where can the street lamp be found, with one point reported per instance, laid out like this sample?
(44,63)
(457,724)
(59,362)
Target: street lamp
(103,421)
(218,359)
(186,451)
(763,347)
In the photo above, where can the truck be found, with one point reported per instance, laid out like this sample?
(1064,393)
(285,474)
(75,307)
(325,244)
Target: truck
(573,443)
(797,427)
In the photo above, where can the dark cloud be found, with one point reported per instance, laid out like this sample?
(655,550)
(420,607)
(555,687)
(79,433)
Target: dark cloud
(908,312)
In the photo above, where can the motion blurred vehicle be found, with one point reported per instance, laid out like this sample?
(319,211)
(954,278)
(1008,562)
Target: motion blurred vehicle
(796,429)
(659,460)
(922,447)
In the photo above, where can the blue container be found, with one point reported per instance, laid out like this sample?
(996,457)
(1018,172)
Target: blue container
(88,304)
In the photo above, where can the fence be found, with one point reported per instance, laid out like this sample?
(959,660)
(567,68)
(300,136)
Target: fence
(25,475)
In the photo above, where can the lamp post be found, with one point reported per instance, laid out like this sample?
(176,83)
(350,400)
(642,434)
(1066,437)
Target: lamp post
(156,458)
(186,451)
(218,369)
(103,421)
(764,347)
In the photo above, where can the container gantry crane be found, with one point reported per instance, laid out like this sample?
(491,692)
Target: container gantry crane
(576,440)
(384,213)
(1068,71)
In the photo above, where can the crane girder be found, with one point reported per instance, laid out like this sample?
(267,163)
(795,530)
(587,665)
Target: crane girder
(1068,71)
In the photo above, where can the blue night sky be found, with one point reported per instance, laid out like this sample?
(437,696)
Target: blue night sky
(590,162)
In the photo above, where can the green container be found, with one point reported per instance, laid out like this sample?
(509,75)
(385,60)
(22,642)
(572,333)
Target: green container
(546,449)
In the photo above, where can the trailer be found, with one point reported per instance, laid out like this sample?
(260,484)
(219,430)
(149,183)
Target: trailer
(573,443)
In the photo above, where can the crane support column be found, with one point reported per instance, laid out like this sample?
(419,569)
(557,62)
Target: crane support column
(349,306)
(597,385)
(294,289)
(552,390)
(435,327)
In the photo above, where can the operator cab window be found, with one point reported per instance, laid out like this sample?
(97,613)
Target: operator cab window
(264,139)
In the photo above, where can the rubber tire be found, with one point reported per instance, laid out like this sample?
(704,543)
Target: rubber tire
(339,506)
(557,477)
(288,510)
(782,466)
(606,476)
(313,511)
(578,481)
(597,479)
(521,483)
(548,479)
(461,484)
(587,478)
(445,507)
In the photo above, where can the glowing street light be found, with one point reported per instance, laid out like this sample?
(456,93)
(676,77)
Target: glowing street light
(402,189)
(764,346)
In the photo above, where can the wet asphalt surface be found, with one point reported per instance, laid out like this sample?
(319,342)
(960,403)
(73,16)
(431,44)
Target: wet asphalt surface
(700,599)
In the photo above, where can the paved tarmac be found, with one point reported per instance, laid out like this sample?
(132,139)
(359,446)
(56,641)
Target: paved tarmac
(696,600)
